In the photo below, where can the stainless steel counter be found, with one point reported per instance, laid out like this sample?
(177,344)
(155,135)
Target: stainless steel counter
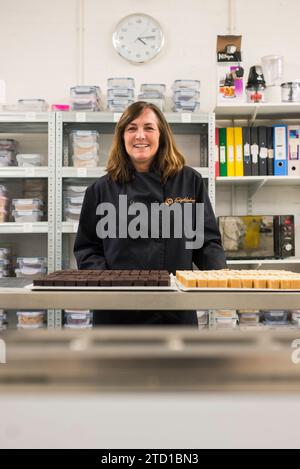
(13,296)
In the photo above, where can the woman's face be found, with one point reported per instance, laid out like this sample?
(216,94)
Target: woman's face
(141,138)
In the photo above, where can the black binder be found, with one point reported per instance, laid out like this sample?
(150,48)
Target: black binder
(263,151)
(254,148)
(270,151)
(247,152)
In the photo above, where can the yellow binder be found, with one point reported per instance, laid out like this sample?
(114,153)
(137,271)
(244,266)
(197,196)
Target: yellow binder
(230,151)
(238,151)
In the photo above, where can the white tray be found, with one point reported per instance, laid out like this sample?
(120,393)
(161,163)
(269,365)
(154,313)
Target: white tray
(230,290)
(172,287)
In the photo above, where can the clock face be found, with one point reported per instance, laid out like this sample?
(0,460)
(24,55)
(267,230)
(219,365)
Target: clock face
(138,38)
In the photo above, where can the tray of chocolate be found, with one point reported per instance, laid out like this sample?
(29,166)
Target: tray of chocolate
(241,280)
(105,280)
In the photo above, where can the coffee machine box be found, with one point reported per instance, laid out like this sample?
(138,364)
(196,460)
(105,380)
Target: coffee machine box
(230,71)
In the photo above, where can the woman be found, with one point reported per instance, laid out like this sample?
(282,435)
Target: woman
(146,170)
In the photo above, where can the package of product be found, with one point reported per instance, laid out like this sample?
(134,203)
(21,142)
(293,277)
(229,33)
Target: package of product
(60,107)
(31,319)
(230,71)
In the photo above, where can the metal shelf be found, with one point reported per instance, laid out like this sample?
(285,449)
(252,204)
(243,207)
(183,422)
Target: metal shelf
(13,227)
(266,180)
(113,117)
(13,298)
(257,111)
(262,261)
(22,172)
(71,172)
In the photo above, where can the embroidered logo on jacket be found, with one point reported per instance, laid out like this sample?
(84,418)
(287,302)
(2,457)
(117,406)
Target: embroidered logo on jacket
(178,200)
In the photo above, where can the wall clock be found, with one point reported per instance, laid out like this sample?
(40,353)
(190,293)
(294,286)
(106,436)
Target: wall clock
(138,38)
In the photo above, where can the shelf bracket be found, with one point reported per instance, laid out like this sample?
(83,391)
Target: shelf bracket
(253,117)
(254,187)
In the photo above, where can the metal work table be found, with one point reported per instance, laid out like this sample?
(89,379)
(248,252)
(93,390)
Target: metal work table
(13,296)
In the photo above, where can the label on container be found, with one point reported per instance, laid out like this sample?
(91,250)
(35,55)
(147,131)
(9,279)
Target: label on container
(27,228)
(81,172)
(186,117)
(80,116)
(30,116)
(117,116)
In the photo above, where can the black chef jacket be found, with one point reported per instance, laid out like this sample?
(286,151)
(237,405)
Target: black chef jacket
(171,254)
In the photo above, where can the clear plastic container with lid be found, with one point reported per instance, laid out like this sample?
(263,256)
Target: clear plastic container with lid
(118,105)
(290,92)
(192,84)
(76,91)
(27,216)
(32,262)
(186,94)
(27,204)
(120,82)
(113,93)
(31,319)
(29,159)
(4,253)
(30,272)
(153,88)
(37,105)
(159,102)
(78,318)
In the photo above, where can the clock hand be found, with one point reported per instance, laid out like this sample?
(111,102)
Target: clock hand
(139,39)
(147,37)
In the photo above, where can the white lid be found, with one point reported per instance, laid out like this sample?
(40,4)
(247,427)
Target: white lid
(27,201)
(78,326)
(32,314)
(73,210)
(27,212)
(32,260)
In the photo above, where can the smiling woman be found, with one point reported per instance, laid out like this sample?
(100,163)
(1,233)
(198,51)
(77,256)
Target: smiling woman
(146,172)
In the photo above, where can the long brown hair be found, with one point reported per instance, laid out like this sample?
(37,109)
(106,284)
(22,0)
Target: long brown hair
(168,160)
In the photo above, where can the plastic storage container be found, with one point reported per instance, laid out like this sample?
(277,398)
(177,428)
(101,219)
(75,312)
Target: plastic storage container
(37,105)
(158,88)
(78,319)
(72,214)
(27,204)
(113,93)
(31,319)
(29,159)
(32,262)
(120,82)
(191,84)
(27,216)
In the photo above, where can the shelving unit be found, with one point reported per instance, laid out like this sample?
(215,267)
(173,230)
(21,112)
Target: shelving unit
(104,122)
(20,125)
(246,191)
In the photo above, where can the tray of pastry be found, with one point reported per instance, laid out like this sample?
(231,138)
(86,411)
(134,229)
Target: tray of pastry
(238,280)
(129,280)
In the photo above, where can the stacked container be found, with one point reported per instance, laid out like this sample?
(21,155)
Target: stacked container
(73,199)
(186,95)
(202,317)
(27,210)
(120,93)
(31,319)
(8,150)
(153,93)
(249,317)
(30,267)
(85,148)
(5,262)
(295,317)
(85,98)
(275,317)
(224,319)
(4,202)
(78,319)
(29,159)
(34,105)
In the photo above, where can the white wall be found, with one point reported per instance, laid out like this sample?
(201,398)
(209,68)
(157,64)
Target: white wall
(39,50)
